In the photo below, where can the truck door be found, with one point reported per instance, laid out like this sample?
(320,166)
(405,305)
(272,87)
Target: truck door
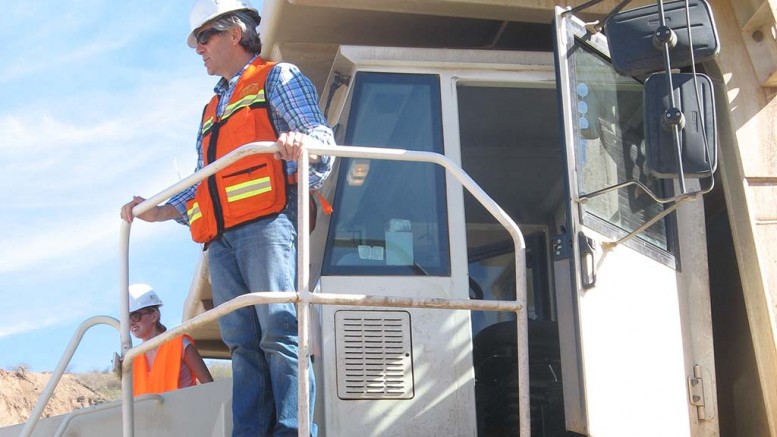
(634,317)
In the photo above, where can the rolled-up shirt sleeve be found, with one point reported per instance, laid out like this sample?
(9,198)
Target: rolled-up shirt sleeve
(294,108)
(179,202)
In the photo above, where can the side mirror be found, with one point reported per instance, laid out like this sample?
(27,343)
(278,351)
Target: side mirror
(635,37)
(698,138)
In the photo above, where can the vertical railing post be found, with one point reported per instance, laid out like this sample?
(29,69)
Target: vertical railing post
(303,303)
(127,406)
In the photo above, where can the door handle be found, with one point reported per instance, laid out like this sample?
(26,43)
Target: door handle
(587,261)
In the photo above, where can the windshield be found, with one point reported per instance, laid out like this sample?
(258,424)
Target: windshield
(390,217)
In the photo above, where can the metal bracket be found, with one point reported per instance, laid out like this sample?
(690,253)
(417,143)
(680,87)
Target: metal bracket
(561,246)
(117,361)
(696,392)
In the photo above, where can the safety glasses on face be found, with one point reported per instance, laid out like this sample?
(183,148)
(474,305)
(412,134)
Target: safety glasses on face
(204,37)
(135,316)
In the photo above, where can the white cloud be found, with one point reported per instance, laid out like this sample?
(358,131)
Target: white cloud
(65,300)
(31,131)
(36,245)
(65,180)
(31,322)
(27,318)
(29,64)
(99,98)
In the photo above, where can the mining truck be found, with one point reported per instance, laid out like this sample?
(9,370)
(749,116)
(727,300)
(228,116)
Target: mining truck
(548,219)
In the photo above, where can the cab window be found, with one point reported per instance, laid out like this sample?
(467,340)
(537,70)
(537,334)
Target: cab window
(390,217)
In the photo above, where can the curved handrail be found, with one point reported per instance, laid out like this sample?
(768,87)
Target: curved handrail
(56,375)
(303,297)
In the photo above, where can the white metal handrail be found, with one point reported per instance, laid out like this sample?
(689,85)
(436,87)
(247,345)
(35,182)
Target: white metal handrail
(56,375)
(303,298)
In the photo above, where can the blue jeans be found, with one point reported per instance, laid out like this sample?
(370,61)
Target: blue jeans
(263,340)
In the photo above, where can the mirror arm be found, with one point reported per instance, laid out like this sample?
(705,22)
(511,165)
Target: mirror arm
(664,38)
(585,5)
(596,26)
(590,3)
(583,198)
(609,245)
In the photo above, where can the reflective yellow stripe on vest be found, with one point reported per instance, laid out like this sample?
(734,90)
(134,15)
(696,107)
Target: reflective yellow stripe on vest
(194,213)
(206,125)
(231,108)
(246,189)
(245,101)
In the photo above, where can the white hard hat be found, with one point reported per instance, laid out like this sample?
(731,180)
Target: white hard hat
(142,296)
(206,10)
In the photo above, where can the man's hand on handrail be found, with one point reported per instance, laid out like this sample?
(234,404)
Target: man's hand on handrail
(290,146)
(155,214)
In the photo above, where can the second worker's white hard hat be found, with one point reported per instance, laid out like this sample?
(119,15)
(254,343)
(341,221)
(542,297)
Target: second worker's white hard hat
(206,10)
(142,296)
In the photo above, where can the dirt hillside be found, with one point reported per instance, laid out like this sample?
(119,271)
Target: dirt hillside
(20,389)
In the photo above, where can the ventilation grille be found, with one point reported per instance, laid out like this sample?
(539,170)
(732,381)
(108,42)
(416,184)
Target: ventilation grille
(374,355)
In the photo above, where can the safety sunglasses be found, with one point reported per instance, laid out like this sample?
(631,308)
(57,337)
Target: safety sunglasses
(204,37)
(135,316)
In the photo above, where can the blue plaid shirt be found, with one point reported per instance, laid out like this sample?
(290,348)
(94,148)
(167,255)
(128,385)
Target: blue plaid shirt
(293,103)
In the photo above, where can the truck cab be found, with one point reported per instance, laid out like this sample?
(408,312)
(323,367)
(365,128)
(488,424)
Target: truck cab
(619,309)
(613,330)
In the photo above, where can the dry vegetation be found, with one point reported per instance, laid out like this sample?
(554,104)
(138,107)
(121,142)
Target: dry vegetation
(20,389)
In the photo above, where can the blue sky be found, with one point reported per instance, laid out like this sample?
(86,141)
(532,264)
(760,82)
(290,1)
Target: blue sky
(101,101)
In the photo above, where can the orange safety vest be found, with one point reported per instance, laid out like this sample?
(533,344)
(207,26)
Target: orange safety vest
(251,188)
(164,373)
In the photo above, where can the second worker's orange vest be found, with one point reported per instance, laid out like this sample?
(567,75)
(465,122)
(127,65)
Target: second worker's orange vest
(164,373)
(251,188)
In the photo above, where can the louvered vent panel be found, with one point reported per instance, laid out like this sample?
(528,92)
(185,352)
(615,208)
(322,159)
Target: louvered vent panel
(374,355)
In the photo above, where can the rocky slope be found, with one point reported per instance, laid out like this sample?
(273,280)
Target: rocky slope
(20,389)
